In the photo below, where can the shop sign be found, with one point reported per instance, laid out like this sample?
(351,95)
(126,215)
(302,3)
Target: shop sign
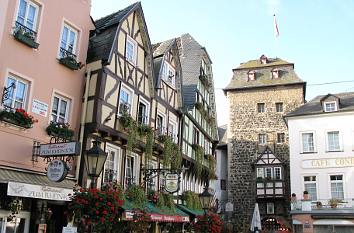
(38,191)
(330,162)
(129,215)
(57,170)
(39,108)
(172,182)
(59,149)
(69,230)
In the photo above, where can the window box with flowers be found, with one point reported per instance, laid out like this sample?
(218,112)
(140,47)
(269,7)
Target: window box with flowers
(25,35)
(68,59)
(57,129)
(19,117)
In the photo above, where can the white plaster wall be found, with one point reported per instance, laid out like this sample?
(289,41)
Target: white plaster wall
(320,124)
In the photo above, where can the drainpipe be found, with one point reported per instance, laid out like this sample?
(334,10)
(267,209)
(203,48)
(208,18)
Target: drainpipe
(82,123)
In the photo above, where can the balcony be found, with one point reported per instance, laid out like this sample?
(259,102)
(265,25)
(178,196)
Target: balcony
(322,206)
(25,35)
(269,188)
(68,59)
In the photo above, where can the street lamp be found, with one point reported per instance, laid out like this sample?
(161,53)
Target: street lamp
(95,159)
(205,199)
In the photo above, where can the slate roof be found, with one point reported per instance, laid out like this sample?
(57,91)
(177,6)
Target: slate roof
(314,106)
(101,40)
(222,131)
(263,74)
(191,54)
(159,49)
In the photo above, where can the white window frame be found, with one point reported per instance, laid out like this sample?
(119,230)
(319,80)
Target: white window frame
(116,163)
(174,123)
(262,142)
(166,69)
(163,122)
(260,172)
(37,7)
(26,92)
(22,214)
(153,165)
(136,168)
(270,208)
(147,105)
(314,141)
(335,181)
(280,173)
(77,33)
(271,172)
(330,109)
(135,50)
(68,107)
(131,98)
(311,182)
(339,141)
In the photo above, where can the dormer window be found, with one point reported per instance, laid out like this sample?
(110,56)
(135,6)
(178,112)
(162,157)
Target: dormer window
(263,59)
(330,106)
(251,75)
(275,73)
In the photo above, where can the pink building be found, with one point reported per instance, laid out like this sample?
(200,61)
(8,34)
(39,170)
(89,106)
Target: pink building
(42,45)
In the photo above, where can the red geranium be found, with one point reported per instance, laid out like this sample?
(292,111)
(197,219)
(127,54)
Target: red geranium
(211,223)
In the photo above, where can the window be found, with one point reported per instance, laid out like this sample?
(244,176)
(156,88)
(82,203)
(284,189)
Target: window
(275,73)
(125,101)
(310,186)
(333,141)
(68,42)
(277,173)
(17,96)
(195,136)
(111,167)
(152,182)
(280,137)
(60,109)
(262,138)
(251,76)
(172,130)
(279,107)
(330,106)
(337,186)
(28,14)
(270,208)
(260,172)
(307,143)
(268,172)
(130,171)
(223,185)
(261,107)
(168,74)
(143,112)
(131,50)
(160,124)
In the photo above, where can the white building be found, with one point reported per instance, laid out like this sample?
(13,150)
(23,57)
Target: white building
(321,138)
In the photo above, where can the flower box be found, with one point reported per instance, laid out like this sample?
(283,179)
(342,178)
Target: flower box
(70,62)
(27,38)
(57,129)
(19,118)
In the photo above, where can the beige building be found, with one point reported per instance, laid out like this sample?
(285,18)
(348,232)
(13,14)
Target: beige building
(41,46)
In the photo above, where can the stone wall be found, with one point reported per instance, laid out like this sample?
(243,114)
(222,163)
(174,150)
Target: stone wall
(245,125)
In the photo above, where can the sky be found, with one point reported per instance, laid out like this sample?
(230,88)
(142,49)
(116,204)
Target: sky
(316,35)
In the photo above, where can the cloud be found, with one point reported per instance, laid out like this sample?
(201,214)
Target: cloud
(272,6)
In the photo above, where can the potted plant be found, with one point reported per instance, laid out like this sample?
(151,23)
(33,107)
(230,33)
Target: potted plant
(18,117)
(27,37)
(306,195)
(60,129)
(333,202)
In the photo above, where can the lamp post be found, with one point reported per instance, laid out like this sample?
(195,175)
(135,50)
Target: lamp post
(94,160)
(205,199)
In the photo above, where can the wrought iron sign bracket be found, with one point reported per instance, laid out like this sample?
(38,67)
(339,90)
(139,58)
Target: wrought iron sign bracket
(6,92)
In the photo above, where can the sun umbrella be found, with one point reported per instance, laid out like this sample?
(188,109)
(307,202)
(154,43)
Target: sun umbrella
(256,220)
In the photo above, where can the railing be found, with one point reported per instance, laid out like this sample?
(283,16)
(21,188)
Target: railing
(25,30)
(124,108)
(322,204)
(25,35)
(67,54)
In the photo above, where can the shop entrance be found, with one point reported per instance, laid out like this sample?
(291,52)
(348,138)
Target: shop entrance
(55,217)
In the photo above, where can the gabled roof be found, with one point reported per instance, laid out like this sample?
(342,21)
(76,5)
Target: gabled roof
(101,40)
(324,98)
(267,157)
(263,74)
(314,106)
(161,48)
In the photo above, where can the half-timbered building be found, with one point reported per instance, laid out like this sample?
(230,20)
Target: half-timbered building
(120,84)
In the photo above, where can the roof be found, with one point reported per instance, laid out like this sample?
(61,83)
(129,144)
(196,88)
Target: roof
(222,130)
(314,106)
(101,40)
(189,211)
(263,74)
(162,47)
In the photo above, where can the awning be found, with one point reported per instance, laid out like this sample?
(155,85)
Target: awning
(7,175)
(189,211)
(296,222)
(24,184)
(341,222)
(155,214)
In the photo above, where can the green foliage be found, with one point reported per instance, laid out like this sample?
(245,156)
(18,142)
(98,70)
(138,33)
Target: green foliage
(191,200)
(172,153)
(212,167)
(199,156)
(165,201)
(130,126)
(146,131)
(136,195)
(19,117)
(60,129)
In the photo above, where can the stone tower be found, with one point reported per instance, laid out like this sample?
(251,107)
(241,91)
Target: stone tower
(260,93)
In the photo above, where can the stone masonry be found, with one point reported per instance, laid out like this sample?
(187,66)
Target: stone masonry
(246,123)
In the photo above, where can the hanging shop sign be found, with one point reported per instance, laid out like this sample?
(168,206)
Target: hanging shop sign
(38,191)
(59,149)
(172,182)
(57,170)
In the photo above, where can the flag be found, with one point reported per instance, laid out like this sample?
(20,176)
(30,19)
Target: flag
(276,30)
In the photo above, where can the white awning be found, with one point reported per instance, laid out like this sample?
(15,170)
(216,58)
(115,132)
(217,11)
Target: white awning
(341,222)
(296,222)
